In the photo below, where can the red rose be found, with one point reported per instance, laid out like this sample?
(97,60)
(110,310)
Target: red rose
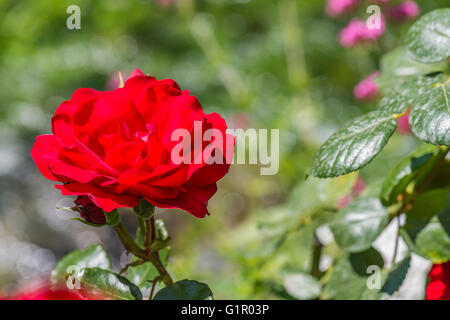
(43,291)
(115,147)
(439,286)
(89,211)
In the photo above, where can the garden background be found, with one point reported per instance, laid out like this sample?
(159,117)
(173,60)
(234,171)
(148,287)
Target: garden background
(259,63)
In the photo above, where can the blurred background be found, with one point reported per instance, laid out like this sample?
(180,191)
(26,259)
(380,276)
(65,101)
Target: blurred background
(260,64)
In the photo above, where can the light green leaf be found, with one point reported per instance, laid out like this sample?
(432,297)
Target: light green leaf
(355,145)
(348,280)
(428,39)
(357,226)
(94,256)
(402,175)
(427,228)
(185,290)
(302,286)
(430,116)
(109,283)
(397,66)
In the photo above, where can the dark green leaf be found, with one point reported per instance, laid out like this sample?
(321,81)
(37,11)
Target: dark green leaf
(355,145)
(427,228)
(430,116)
(349,277)
(144,209)
(109,283)
(94,256)
(357,226)
(395,278)
(302,286)
(185,290)
(402,175)
(428,39)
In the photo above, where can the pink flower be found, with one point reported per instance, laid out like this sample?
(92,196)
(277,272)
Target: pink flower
(404,11)
(403,126)
(367,89)
(337,7)
(357,31)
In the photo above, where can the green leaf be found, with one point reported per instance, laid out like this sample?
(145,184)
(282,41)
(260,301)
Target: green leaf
(430,116)
(397,66)
(428,39)
(144,209)
(94,256)
(349,277)
(355,145)
(402,175)
(395,278)
(109,283)
(302,286)
(399,98)
(427,227)
(357,226)
(185,290)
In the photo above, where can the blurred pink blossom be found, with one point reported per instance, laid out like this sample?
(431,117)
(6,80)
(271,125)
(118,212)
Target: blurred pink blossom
(335,8)
(357,31)
(367,89)
(403,126)
(165,3)
(404,11)
(357,190)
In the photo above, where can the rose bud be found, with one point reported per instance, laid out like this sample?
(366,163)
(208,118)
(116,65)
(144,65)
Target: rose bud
(89,210)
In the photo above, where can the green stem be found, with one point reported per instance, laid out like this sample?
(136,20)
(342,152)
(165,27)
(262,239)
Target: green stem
(131,246)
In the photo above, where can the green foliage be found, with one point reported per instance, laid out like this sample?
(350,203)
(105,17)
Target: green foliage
(355,145)
(430,116)
(427,226)
(185,290)
(429,38)
(395,278)
(302,286)
(349,275)
(93,256)
(403,174)
(357,226)
(144,209)
(109,284)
